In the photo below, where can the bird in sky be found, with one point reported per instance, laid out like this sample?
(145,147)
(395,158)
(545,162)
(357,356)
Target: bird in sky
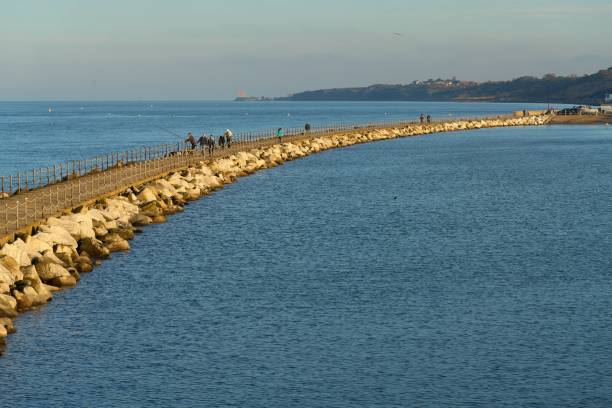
(398,34)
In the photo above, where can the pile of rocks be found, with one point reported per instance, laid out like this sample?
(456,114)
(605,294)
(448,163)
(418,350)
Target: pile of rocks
(33,267)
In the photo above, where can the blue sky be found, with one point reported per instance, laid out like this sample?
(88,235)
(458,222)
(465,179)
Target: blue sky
(209,49)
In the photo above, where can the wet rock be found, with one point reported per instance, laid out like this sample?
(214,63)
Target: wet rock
(159,219)
(114,243)
(49,271)
(151,209)
(94,248)
(24,302)
(8,306)
(66,254)
(7,322)
(63,281)
(43,294)
(125,233)
(140,220)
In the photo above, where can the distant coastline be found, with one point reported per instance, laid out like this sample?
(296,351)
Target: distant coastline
(591,89)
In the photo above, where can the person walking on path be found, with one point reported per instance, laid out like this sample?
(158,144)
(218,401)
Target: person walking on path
(280,133)
(422,117)
(428,119)
(307,127)
(221,142)
(191,140)
(211,144)
(228,137)
(203,141)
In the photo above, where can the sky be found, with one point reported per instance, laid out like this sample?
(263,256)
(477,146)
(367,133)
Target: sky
(210,49)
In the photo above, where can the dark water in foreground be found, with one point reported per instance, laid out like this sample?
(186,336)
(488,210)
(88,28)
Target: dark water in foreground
(453,270)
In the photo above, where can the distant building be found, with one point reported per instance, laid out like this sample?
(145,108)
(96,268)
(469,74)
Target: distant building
(608,98)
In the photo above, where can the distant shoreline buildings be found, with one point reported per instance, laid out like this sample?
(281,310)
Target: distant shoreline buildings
(253,99)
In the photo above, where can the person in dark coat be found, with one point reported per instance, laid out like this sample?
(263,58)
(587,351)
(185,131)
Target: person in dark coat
(422,117)
(307,127)
(221,142)
(428,118)
(191,140)
(211,144)
(203,141)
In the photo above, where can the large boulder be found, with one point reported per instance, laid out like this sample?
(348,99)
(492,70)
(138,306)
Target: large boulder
(49,256)
(49,271)
(37,290)
(94,248)
(55,235)
(35,244)
(7,323)
(6,277)
(8,306)
(210,182)
(66,254)
(83,263)
(12,266)
(147,195)
(79,225)
(164,188)
(140,220)
(224,166)
(119,207)
(114,243)
(18,250)
(97,216)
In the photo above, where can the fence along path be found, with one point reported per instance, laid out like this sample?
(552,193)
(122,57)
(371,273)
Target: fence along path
(31,197)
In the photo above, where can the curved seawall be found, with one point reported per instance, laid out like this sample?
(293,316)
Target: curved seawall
(57,251)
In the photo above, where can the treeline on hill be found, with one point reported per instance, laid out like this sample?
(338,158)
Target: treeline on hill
(588,89)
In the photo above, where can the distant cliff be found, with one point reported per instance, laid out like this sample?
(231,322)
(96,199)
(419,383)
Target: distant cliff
(588,89)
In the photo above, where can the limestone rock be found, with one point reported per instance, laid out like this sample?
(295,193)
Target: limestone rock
(147,195)
(63,281)
(140,220)
(18,250)
(8,306)
(49,271)
(55,235)
(6,276)
(114,243)
(94,248)
(35,244)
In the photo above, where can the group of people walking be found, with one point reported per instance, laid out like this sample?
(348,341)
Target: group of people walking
(209,142)
(225,140)
(423,118)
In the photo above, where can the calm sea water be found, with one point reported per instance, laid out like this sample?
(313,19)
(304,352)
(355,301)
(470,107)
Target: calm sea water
(468,269)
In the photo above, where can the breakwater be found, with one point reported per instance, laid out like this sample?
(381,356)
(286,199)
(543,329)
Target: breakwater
(55,252)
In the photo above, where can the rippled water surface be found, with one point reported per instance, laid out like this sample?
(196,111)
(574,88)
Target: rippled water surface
(452,270)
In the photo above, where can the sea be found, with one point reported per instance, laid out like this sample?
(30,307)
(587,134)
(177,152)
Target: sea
(466,269)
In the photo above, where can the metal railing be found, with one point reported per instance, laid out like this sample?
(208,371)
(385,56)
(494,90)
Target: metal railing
(38,194)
